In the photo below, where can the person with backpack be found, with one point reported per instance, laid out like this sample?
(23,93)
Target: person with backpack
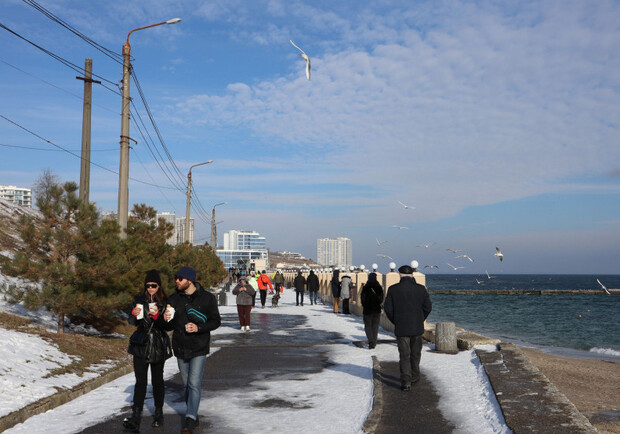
(263,282)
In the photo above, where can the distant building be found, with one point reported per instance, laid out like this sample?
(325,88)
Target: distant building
(334,252)
(244,247)
(17,195)
(178,234)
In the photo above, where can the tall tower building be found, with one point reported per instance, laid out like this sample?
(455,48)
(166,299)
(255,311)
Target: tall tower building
(334,252)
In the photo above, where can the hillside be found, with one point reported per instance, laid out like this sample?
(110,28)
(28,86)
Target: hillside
(9,224)
(280,260)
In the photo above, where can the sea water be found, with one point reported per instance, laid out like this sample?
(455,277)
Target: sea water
(563,324)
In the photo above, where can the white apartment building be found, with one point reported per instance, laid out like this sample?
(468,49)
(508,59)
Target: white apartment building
(178,235)
(247,246)
(17,195)
(334,252)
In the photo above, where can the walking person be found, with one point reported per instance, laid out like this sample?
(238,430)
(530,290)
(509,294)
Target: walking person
(244,293)
(371,298)
(407,305)
(313,286)
(254,284)
(263,283)
(193,316)
(345,293)
(300,286)
(150,347)
(278,281)
(335,282)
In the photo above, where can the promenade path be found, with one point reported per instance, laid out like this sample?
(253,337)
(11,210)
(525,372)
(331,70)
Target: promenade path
(304,369)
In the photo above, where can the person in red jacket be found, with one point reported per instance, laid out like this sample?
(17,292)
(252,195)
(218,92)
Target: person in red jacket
(263,282)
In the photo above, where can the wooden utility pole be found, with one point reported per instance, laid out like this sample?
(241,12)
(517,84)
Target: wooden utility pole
(86,121)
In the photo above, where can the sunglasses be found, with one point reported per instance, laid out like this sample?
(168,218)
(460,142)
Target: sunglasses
(179,278)
(152,285)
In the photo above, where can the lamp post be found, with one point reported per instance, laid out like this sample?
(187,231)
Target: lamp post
(189,196)
(123,172)
(214,226)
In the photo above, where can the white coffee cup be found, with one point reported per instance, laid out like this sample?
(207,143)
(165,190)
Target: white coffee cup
(152,307)
(141,313)
(171,310)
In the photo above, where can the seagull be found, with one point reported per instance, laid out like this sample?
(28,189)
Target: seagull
(380,242)
(499,254)
(454,250)
(305,57)
(431,266)
(489,277)
(603,286)
(385,257)
(405,206)
(479,282)
(400,227)
(464,256)
(453,267)
(426,246)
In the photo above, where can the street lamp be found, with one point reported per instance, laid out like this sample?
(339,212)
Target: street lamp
(214,226)
(189,195)
(123,172)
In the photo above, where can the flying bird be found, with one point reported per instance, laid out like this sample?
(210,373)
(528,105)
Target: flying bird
(454,250)
(464,256)
(426,246)
(499,254)
(400,227)
(406,206)
(489,276)
(453,267)
(603,286)
(479,282)
(304,56)
(380,242)
(385,257)
(431,266)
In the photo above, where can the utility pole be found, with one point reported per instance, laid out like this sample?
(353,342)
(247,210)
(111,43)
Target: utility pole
(189,198)
(86,121)
(214,226)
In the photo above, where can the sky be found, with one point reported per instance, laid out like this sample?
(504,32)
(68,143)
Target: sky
(496,122)
(342,395)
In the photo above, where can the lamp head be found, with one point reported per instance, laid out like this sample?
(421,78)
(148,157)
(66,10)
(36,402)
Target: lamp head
(173,21)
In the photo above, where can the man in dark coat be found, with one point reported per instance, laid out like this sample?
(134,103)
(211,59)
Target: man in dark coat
(195,315)
(335,284)
(372,297)
(300,287)
(313,286)
(407,305)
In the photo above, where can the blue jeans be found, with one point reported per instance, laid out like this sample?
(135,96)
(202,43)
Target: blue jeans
(313,297)
(191,373)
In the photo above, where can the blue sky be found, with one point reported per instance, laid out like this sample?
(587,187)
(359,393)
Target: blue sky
(497,121)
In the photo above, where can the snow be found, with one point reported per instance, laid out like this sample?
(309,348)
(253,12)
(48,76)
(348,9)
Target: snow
(341,393)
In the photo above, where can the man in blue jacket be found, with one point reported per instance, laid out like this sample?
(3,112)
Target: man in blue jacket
(195,315)
(407,305)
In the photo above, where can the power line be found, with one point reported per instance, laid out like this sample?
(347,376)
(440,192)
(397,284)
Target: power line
(55,150)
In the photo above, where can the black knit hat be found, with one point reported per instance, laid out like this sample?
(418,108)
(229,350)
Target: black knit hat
(152,276)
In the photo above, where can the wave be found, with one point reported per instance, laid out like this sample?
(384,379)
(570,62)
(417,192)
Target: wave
(605,351)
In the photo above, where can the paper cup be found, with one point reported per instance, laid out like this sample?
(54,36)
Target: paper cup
(141,313)
(171,310)
(152,307)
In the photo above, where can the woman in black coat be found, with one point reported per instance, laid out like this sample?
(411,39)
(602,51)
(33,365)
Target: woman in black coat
(336,289)
(150,346)
(372,297)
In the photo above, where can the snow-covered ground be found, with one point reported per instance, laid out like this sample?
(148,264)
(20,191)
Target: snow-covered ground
(341,395)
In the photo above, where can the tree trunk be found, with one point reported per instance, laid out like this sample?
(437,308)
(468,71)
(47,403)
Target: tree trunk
(61,323)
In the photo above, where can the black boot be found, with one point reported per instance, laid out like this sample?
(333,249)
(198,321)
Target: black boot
(158,418)
(133,423)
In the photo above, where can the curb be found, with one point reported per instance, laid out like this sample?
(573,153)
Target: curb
(372,421)
(62,397)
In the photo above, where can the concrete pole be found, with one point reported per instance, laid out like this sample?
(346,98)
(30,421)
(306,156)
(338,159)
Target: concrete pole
(86,122)
(123,172)
(187,207)
(213,229)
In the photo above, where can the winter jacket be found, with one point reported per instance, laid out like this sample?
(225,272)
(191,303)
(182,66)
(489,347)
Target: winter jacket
(279,278)
(156,348)
(299,283)
(345,285)
(313,282)
(199,308)
(253,283)
(264,281)
(407,305)
(371,297)
(336,284)
(244,298)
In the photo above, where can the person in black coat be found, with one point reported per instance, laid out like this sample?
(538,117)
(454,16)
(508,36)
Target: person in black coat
(407,305)
(150,346)
(335,282)
(193,316)
(313,286)
(372,297)
(300,287)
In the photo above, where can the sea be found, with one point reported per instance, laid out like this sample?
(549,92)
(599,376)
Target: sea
(575,325)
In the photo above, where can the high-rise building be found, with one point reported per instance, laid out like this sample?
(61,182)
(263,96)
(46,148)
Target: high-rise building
(178,235)
(243,248)
(17,195)
(334,252)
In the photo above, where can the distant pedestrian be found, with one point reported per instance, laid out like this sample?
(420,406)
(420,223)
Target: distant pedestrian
(313,286)
(371,298)
(254,284)
(278,281)
(335,283)
(300,287)
(150,346)
(407,305)
(195,315)
(244,293)
(263,283)
(346,284)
